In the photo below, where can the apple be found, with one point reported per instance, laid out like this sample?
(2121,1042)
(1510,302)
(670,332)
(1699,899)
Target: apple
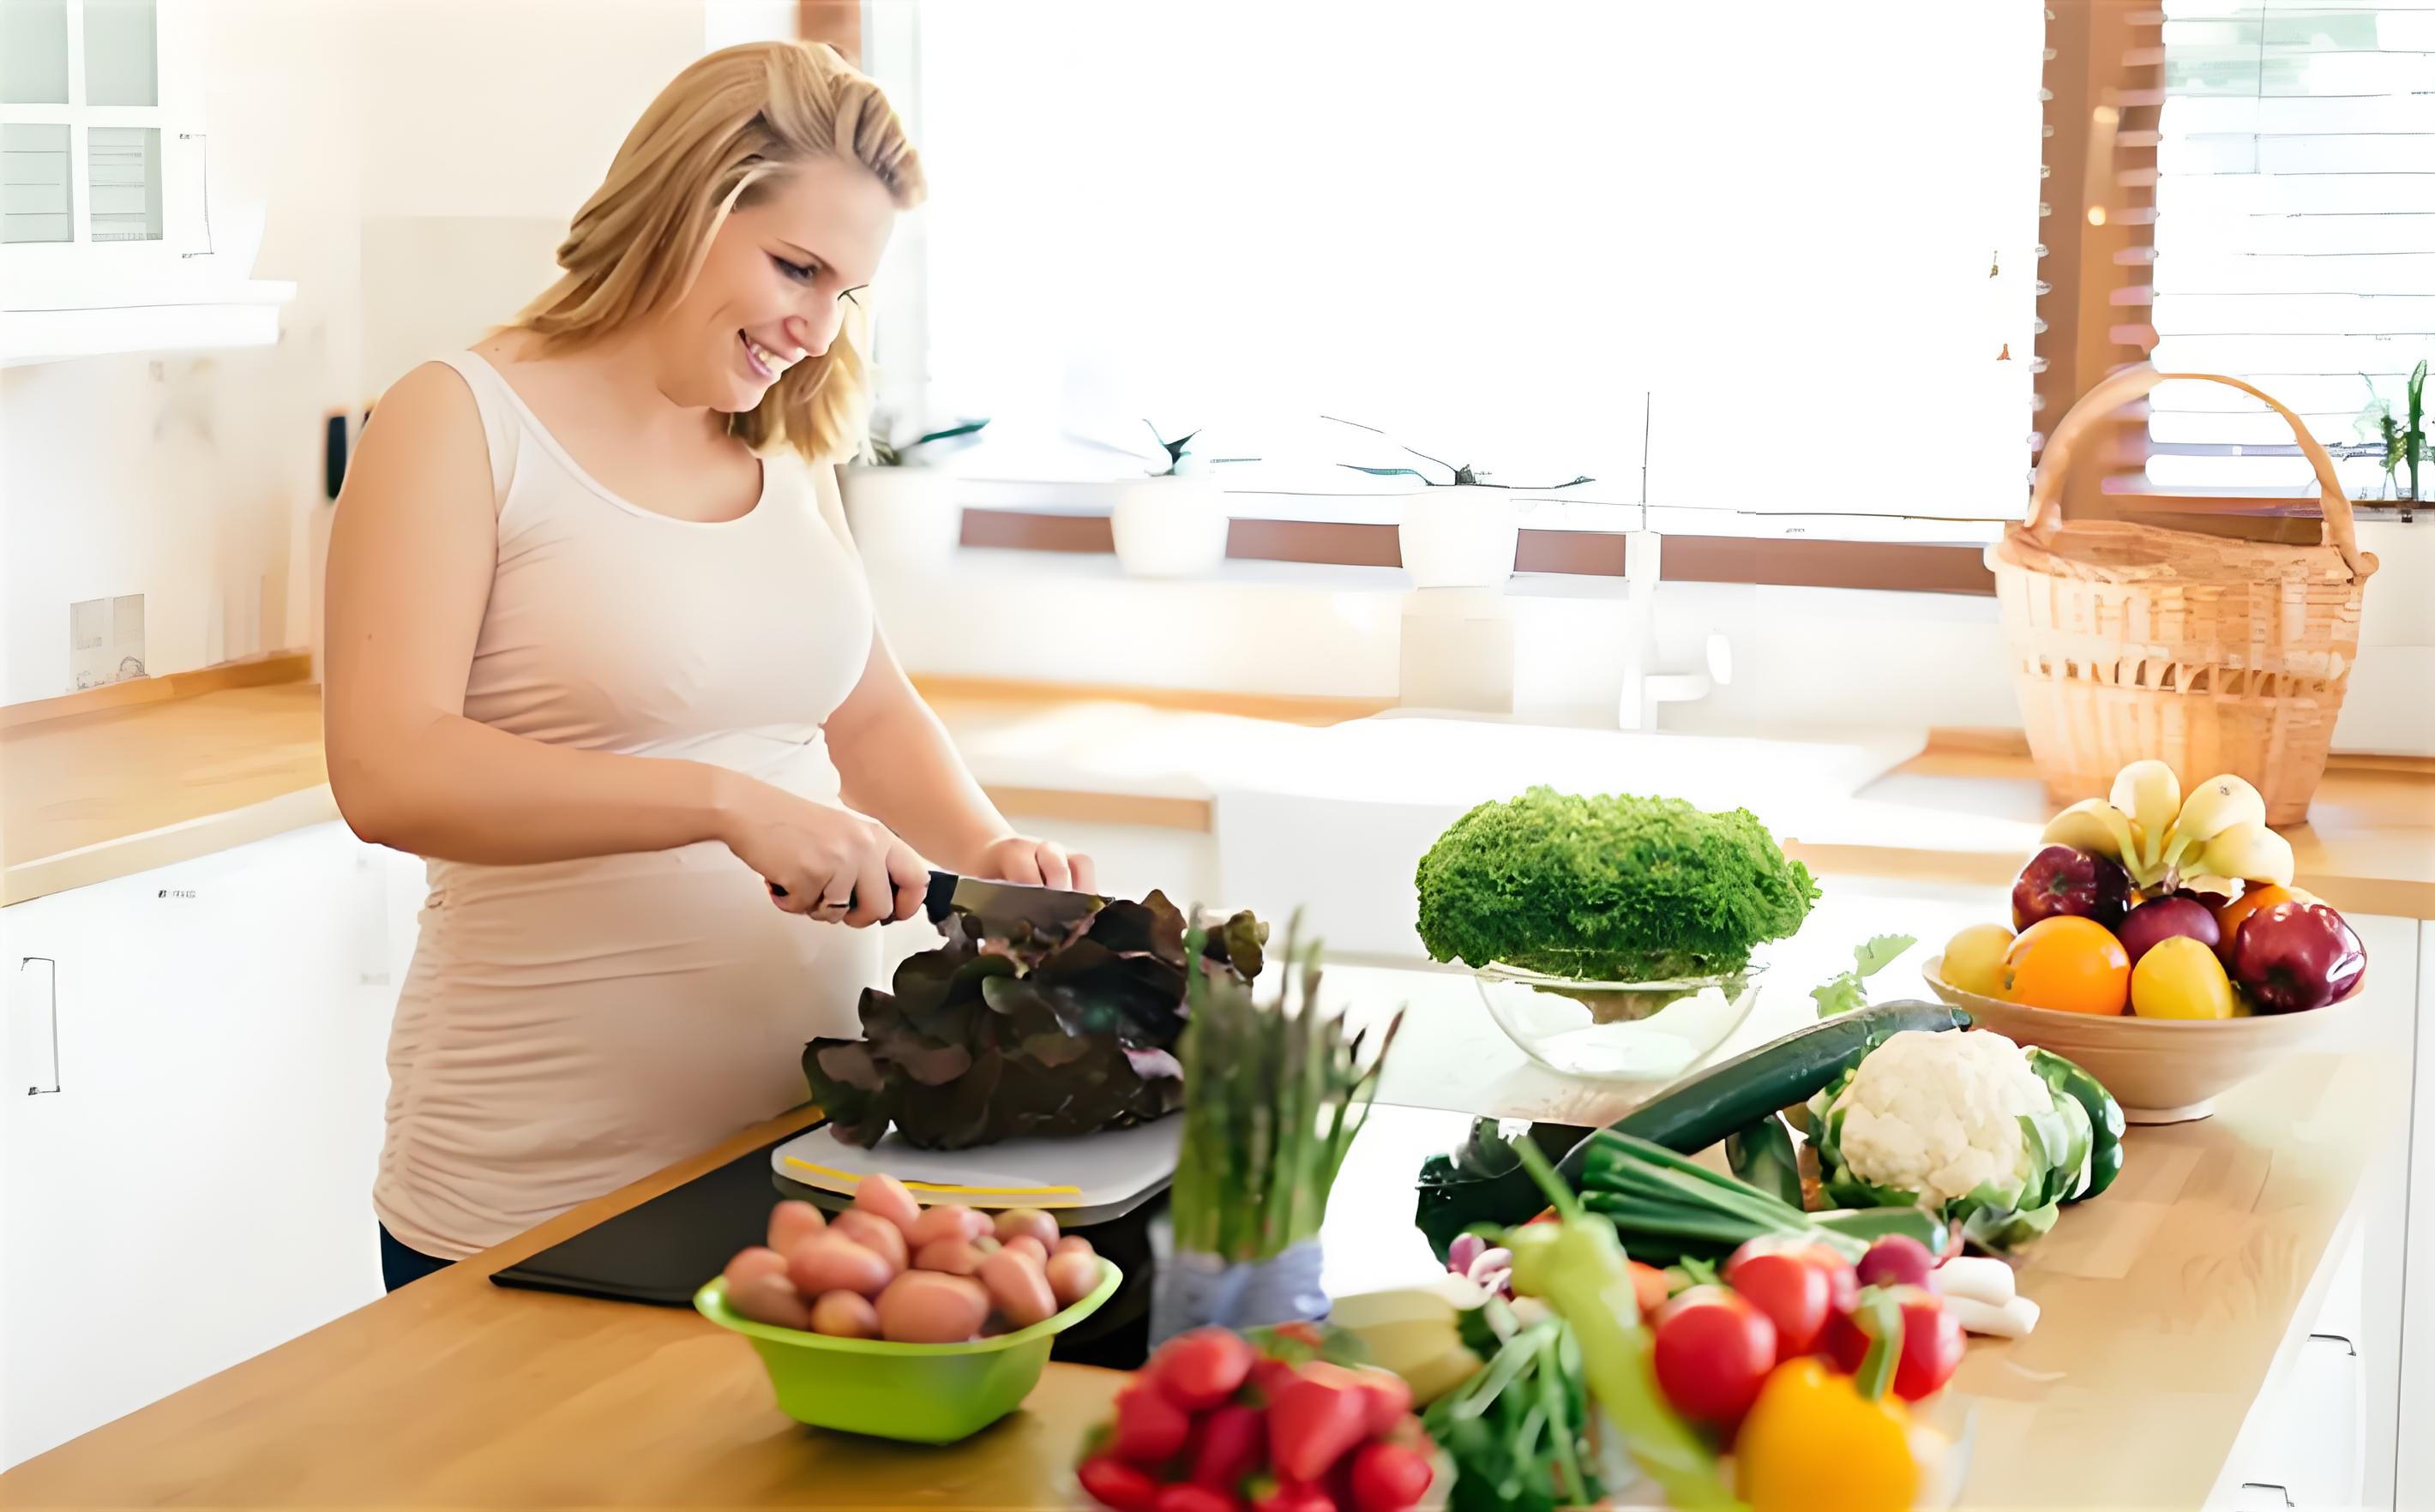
(2061,880)
(2161,919)
(2293,955)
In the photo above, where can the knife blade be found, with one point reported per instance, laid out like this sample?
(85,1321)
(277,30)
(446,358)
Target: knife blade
(1000,903)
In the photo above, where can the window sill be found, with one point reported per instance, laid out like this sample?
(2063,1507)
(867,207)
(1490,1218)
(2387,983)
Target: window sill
(152,316)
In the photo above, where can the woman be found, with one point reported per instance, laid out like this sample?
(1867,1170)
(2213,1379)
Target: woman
(599,649)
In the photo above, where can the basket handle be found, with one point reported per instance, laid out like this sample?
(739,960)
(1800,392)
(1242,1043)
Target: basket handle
(2118,389)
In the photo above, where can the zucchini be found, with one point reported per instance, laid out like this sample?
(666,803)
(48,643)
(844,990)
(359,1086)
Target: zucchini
(1725,1099)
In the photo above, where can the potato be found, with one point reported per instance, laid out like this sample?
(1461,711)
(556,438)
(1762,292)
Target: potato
(986,1244)
(1026,1245)
(1018,1221)
(952,1257)
(1072,1274)
(877,1235)
(833,1262)
(938,1223)
(753,1261)
(771,1300)
(884,1196)
(792,1223)
(1071,1245)
(924,1307)
(1017,1286)
(845,1315)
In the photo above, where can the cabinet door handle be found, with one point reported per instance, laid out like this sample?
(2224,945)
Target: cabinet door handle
(2268,1486)
(53,994)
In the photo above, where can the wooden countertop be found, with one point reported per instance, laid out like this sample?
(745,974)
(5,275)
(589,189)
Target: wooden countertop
(101,795)
(2165,1303)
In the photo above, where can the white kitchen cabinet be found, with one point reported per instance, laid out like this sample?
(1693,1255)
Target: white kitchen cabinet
(2414,1458)
(197,1189)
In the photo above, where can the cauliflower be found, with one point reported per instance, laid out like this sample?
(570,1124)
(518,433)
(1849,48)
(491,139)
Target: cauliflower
(1959,1123)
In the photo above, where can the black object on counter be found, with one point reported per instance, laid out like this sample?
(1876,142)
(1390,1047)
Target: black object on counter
(662,1251)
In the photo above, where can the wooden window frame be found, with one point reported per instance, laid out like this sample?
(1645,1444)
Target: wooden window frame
(2104,79)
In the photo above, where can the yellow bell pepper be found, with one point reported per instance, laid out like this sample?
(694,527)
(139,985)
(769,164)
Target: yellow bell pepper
(1813,1443)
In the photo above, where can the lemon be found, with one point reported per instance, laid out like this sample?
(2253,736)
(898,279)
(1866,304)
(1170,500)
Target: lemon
(2180,978)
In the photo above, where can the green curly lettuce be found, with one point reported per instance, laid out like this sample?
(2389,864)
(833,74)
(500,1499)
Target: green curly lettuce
(1608,889)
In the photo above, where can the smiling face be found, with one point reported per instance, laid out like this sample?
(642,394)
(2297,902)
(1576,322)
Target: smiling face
(773,288)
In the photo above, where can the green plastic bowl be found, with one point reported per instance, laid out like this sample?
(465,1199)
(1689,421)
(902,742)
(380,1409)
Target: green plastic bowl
(919,1393)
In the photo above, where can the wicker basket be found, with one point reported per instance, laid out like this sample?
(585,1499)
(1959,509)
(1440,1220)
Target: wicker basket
(2215,655)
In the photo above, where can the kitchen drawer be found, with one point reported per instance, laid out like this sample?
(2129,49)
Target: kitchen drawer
(2306,1445)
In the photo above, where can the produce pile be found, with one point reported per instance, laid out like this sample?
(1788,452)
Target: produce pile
(996,1034)
(1608,889)
(1780,1384)
(1219,1423)
(2164,907)
(889,1269)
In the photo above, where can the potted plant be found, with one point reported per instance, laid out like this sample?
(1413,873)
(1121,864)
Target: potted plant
(1459,531)
(899,508)
(1173,522)
(2397,442)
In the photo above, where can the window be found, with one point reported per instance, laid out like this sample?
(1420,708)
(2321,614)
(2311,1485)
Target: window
(93,132)
(2295,234)
(1767,257)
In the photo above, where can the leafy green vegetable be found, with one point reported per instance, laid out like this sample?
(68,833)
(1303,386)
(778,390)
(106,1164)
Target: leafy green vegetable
(1010,1031)
(1279,1090)
(1519,1431)
(1846,993)
(1763,1156)
(1481,1187)
(1608,889)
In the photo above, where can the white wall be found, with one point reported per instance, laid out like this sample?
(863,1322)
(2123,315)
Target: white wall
(419,160)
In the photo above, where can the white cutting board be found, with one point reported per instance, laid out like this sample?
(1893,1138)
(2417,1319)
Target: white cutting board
(1082,1177)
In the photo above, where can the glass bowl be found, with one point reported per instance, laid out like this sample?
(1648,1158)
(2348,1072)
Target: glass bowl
(1616,1031)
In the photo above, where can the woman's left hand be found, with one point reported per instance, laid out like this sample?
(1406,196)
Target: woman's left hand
(1041,862)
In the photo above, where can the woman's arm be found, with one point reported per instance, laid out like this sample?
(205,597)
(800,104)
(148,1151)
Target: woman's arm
(896,764)
(412,556)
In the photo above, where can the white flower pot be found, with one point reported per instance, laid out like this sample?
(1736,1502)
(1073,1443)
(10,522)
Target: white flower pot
(1462,536)
(902,516)
(1169,527)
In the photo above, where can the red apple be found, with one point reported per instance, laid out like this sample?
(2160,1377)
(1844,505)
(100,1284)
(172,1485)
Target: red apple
(2293,956)
(2161,919)
(2061,880)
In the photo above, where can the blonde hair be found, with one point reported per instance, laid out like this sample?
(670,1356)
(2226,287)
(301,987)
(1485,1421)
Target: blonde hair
(716,137)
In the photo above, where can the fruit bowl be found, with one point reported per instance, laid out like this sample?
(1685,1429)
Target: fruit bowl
(918,1393)
(2162,1070)
(1616,1031)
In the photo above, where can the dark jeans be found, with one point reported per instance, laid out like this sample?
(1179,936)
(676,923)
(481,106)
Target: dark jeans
(400,1265)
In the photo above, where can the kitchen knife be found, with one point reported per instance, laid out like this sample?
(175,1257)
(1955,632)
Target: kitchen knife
(999,901)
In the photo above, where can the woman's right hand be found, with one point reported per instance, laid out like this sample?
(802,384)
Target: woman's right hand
(824,862)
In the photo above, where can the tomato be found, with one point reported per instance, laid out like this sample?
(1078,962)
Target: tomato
(1712,1350)
(1842,1278)
(1796,1294)
(2068,964)
(2180,978)
(1931,1346)
(2228,917)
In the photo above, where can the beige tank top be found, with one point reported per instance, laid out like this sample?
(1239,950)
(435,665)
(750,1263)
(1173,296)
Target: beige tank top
(569,1027)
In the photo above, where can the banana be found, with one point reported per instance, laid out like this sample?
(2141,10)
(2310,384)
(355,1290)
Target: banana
(2150,794)
(2221,888)
(2212,807)
(1412,1332)
(2250,851)
(2094,825)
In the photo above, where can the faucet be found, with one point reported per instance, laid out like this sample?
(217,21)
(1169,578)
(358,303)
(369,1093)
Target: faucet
(1643,688)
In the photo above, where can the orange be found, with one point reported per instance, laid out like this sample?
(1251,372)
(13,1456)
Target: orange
(2069,964)
(2228,917)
